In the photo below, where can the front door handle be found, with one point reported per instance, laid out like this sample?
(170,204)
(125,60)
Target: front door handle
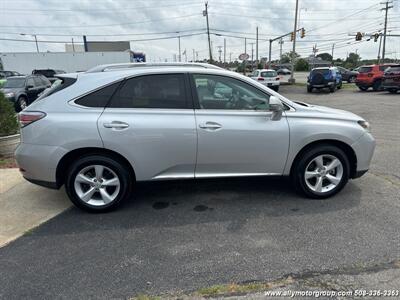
(210,126)
(116,125)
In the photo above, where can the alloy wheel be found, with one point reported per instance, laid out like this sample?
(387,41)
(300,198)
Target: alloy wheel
(323,173)
(97,185)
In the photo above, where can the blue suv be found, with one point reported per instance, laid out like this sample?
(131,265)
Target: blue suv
(328,77)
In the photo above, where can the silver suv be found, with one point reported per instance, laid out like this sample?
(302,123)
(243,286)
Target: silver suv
(100,131)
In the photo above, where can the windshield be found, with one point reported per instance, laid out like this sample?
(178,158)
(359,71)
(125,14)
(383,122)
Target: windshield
(46,73)
(268,74)
(393,69)
(15,83)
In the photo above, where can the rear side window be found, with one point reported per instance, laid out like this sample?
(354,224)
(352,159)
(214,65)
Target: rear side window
(37,81)
(152,91)
(98,98)
(365,69)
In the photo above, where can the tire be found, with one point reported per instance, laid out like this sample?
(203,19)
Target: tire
(340,86)
(309,89)
(21,104)
(377,85)
(363,88)
(333,88)
(276,89)
(392,91)
(307,162)
(85,177)
(351,79)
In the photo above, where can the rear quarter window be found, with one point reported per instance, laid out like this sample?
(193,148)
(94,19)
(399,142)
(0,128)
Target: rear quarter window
(98,98)
(365,69)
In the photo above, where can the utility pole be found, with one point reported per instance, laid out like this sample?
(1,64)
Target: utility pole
(85,43)
(292,80)
(230,57)
(193,56)
(73,45)
(245,51)
(379,50)
(257,46)
(179,48)
(387,7)
(252,56)
(269,54)
(219,51)
(280,50)
(333,48)
(205,13)
(224,51)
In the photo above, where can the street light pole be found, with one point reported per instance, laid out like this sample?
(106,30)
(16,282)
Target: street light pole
(292,80)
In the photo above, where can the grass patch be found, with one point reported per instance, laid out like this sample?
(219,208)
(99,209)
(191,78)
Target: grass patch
(241,289)
(7,163)
(145,297)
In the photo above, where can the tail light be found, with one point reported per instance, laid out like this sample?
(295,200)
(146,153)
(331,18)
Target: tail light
(260,79)
(370,74)
(28,117)
(277,78)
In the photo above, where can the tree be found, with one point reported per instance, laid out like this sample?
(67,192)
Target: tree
(301,65)
(325,56)
(352,60)
(286,57)
(8,120)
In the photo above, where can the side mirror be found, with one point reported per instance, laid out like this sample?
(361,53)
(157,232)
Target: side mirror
(276,106)
(29,87)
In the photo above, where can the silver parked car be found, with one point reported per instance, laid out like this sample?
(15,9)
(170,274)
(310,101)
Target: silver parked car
(100,131)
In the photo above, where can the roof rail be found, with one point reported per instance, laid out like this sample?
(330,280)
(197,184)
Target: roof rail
(114,67)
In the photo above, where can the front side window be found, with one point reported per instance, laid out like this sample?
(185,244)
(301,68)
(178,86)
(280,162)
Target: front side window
(220,92)
(164,91)
(37,81)
(30,82)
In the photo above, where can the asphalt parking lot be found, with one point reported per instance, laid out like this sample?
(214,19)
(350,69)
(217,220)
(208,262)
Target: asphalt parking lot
(181,236)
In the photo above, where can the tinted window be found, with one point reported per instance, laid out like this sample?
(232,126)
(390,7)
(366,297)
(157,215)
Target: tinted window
(15,83)
(47,73)
(30,82)
(98,98)
(365,69)
(321,71)
(152,91)
(220,92)
(38,81)
(44,80)
(392,69)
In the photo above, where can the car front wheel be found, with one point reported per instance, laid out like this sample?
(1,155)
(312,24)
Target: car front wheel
(98,183)
(321,172)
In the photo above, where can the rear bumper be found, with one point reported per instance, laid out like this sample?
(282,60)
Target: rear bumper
(38,163)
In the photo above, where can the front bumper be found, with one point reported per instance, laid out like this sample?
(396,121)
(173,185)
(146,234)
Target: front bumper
(364,149)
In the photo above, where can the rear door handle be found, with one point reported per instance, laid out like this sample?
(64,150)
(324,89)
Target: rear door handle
(210,126)
(116,125)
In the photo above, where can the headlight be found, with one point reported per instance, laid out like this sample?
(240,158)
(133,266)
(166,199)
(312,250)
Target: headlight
(9,95)
(365,125)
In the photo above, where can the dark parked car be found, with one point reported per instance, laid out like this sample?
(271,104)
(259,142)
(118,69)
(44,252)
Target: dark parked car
(23,90)
(5,74)
(283,71)
(348,75)
(324,77)
(50,74)
(391,79)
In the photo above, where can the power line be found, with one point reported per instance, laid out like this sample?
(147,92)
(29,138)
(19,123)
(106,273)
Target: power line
(103,25)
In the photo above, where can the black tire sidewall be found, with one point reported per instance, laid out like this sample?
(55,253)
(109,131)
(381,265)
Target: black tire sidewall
(19,108)
(115,165)
(298,172)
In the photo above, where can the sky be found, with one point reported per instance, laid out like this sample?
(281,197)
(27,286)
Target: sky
(153,26)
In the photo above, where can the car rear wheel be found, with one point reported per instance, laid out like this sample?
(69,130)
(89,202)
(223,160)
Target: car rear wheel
(309,89)
(321,172)
(332,88)
(351,79)
(393,91)
(98,183)
(363,88)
